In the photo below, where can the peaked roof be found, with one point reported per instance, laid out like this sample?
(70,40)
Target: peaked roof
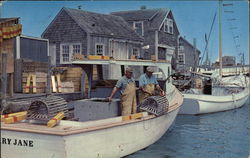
(101,24)
(156,16)
(187,42)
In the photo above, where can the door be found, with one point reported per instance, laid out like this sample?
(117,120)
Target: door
(52,53)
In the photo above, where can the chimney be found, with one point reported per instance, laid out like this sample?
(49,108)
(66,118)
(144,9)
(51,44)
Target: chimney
(143,7)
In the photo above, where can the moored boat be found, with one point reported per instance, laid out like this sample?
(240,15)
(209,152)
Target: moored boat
(213,93)
(195,104)
(112,137)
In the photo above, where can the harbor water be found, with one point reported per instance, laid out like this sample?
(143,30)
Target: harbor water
(218,135)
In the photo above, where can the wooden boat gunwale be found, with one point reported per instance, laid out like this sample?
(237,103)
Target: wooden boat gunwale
(68,130)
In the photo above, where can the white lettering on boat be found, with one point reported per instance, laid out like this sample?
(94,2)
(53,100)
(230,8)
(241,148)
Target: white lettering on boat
(17,142)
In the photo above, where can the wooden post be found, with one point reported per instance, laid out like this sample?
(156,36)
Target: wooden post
(59,84)
(89,71)
(33,83)
(83,84)
(156,45)
(54,90)
(27,87)
(4,79)
(48,87)
(90,75)
(11,87)
(18,75)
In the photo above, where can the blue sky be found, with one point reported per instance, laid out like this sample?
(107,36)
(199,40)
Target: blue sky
(193,18)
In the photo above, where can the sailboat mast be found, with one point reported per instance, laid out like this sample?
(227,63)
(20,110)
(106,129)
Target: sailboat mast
(220,36)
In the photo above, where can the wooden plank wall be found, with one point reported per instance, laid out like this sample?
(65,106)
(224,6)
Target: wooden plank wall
(7,46)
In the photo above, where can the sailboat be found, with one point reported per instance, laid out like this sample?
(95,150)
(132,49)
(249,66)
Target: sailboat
(215,93)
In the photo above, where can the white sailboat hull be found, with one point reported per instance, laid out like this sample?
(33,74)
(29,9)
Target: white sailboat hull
(195,104)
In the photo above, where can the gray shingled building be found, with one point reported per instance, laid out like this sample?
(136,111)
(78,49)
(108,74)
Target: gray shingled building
(158,28)
(188,56)
(77,31)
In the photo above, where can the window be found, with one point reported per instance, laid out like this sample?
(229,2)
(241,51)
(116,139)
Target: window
(76,48)
(67,50)
(138,27)
(99,49)
(165,26)
(181,48)
(168,26)
(136,52)
(181,58)
(65,53)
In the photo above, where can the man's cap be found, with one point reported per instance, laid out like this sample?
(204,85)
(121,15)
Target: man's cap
(150,69)
(129,69)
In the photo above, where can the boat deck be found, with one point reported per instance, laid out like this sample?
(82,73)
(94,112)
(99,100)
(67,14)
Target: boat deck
(73,127)
(70,127)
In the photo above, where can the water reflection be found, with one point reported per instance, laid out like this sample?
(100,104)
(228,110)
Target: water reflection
(218,135)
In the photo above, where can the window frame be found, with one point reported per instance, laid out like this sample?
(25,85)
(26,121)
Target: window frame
(103,48)
(138,51)
(183,57)
(71,49)
(169,25)
(142,28)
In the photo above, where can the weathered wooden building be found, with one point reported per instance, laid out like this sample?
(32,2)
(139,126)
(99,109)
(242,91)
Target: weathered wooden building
(159,29)
(24,54)
(77,31)
(31,56)
(31,48)
(9,29)
(188,56)
(226,61)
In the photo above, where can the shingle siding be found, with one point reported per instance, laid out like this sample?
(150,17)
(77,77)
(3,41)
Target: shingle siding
(65,30)
(152,21)
(167,38)
(99,40)
(149,40)
(191,59)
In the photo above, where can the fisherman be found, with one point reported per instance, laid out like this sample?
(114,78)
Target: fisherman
(148,85)
(127,88)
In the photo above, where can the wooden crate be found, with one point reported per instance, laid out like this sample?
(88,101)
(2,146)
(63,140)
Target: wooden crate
(67,87)
(73,74)
(41,82)
(40,88)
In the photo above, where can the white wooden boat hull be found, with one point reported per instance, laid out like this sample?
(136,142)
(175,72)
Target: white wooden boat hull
(195,104)
(107,138)
(112,142)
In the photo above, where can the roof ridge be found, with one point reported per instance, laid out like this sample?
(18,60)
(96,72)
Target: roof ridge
(86,11)
(125,11)
(184,39)
(82,27)
(85,28)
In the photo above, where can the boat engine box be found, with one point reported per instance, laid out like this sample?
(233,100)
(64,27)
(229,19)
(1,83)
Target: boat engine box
(96,108)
